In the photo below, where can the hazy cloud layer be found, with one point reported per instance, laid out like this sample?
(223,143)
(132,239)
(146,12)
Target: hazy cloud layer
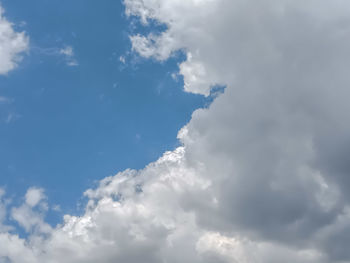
(263,172)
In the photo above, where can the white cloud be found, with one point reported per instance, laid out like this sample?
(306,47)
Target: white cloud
(34,196)
(30,215)
(12,45)
(68,52)
(3,211)
(122,59)
(262,176)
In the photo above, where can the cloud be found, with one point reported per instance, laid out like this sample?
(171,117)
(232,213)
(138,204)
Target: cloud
(274,145)
(30,215)
(262,175)
(3,212)
(12,45)
(68,52)
(34,196)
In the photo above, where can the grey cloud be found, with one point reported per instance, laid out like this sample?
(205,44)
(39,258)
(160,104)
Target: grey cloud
(275,144)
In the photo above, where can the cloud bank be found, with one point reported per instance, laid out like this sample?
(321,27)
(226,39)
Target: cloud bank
(12,44)
(263,173)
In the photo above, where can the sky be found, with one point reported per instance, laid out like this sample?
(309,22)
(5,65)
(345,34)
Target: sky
(202,131)
(79,106)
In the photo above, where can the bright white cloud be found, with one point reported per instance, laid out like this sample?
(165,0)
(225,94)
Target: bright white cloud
(12,44)
(262,176)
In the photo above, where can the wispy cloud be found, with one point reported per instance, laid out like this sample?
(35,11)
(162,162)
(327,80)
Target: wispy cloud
(68,53)
(12,116)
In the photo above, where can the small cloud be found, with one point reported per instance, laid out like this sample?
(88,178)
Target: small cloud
(22,24)
(34,196)
(122,59)
(72,63)
(56,208)
(175,76)
(68,52)
(125,60)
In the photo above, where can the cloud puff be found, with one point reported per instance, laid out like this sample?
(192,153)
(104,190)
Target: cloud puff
(68,52)
(30,215)
(34,196)
(12,45)
(262,175)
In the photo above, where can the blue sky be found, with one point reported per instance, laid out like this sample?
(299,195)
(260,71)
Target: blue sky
(66,126)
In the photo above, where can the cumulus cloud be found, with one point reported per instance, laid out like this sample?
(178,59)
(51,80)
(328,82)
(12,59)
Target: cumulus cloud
(12,45)
(263,173)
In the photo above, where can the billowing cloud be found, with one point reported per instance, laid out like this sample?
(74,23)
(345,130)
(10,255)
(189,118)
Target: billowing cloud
(12,44)
(262,175)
